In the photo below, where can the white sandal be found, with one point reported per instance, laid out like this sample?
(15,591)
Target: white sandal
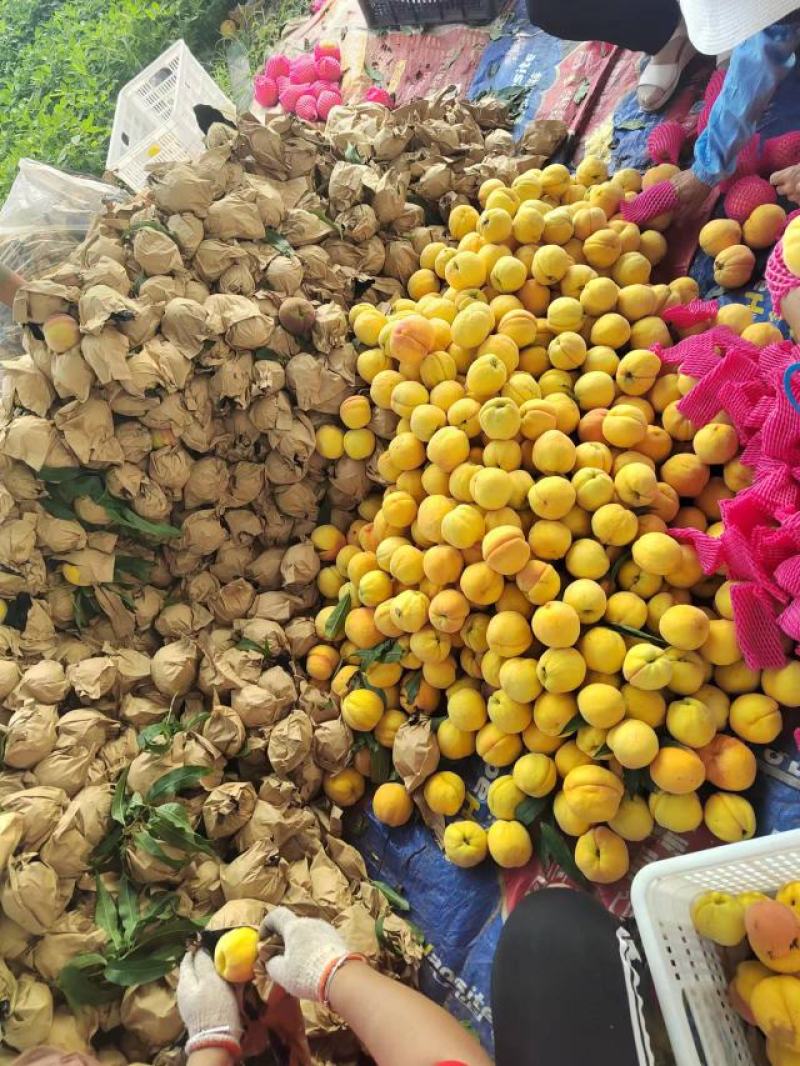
(661,74)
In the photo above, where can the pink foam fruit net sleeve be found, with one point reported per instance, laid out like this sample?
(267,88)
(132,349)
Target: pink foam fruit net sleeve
(665,141)
(780,280)
(656,200)
(695,313)
(760,545)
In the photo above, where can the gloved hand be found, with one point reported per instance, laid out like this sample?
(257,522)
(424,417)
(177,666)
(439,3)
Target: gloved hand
(312,952)
(207,1005)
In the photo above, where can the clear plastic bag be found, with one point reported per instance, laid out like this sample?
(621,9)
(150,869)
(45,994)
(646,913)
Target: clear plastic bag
(46,214)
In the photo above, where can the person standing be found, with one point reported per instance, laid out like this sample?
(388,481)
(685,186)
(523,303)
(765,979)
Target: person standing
(652,26)
(763,37)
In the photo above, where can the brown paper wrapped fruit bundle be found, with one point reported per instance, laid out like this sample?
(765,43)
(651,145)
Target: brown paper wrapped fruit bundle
(510,588)
(168,803)
(160,480)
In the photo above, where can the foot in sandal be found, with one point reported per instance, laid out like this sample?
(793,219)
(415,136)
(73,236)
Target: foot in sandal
(661,75)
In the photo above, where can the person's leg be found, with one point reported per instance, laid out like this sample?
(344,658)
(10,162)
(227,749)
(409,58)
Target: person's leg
(640,25)
(564,989)
(660,76)
(652,26)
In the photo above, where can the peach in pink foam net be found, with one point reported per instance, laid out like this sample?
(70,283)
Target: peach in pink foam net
(760,545)
(652,202)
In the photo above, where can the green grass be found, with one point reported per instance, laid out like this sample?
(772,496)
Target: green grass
(259,30)
(62,63)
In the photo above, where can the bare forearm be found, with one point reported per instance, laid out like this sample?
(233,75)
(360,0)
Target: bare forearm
(398,1026)
(9,283)
(790,308)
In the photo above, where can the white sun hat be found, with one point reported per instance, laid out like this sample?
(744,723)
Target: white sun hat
(716,26)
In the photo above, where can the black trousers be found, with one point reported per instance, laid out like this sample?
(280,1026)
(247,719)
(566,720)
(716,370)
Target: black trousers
(640,25)
(564,988)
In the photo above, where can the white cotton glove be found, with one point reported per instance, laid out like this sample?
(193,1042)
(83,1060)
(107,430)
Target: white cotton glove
(311,951)
(207,1005)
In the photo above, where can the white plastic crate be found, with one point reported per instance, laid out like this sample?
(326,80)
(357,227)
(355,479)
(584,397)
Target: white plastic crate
(154,120)
(687,969)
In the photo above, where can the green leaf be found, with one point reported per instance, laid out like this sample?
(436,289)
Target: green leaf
(134,228)
(388,651)
(603,752)
(82,982)
(334,627)
(197,720)
(169,932)
(631,124)
(108,847)
(352,154)
(175,780)
(380,764)
(168,834)
(530,808)
(158,736)
(91,485)
(133,565)
(119,802)
(270,355)
(84,607)
(328,222)
(58,509)
(360,681)
(128,905)
(131,972)
(105,913)
(637,781)
(554,848)
(56,474)
(277,240)
(624,556)
(246,644)
(395,900)
(515,97)
(412,685)
(581,92)
(629,631)
(173,814)
(126,598)
(127,517)
(178,837)
(572,726)
(161,908)
(148,843)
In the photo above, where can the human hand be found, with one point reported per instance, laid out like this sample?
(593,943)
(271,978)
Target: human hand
(787,183)
(207,1005)
(312,952)
(690,190)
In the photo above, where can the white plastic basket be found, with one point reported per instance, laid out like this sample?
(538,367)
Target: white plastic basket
(154,119)
(687,970)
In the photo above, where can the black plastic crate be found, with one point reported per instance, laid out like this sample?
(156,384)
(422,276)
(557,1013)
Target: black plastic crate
(385,14)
